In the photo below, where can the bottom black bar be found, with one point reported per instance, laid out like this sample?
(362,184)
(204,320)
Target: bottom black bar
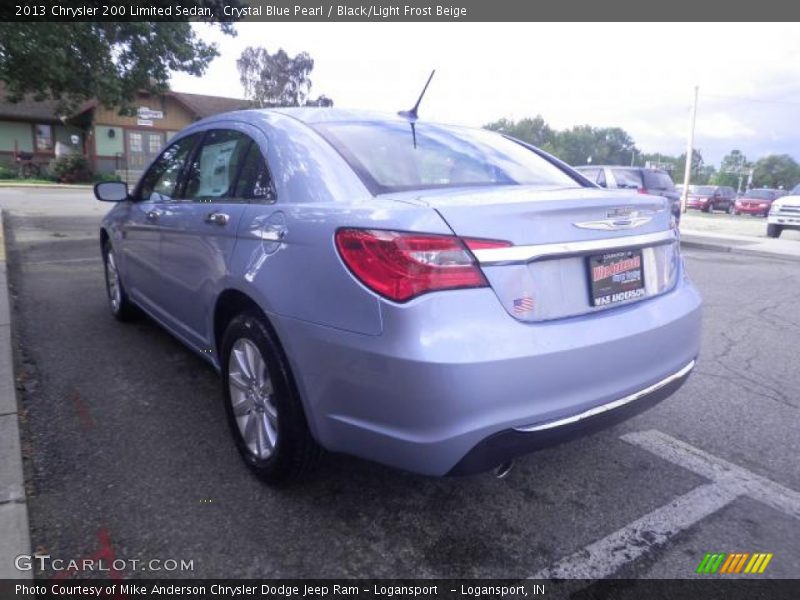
(706,588)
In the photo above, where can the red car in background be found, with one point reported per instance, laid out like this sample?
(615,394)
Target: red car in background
(756,202)
(709,198)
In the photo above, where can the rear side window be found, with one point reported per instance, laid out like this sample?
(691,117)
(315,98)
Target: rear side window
(255,182)
(213,170)
(658,180)
(627,178)
(160,182)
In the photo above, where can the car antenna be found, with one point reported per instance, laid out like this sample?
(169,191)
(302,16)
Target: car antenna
(411,115)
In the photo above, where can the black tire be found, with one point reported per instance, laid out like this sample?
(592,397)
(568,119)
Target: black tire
(120,305)
(731,209)
(774,231)
(295,452)
(708,208)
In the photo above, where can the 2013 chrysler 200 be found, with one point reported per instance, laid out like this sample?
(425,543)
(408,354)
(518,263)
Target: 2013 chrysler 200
(435,298)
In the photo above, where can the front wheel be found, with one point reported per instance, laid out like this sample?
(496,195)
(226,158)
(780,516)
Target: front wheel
(119,303)
(264,411)
(774,231)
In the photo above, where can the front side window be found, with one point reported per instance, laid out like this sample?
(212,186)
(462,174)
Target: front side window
(213,170)
(394,156)
(161,181)
(44,138)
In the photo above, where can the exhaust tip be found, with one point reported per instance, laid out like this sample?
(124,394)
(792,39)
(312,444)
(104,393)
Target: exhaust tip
(503,469)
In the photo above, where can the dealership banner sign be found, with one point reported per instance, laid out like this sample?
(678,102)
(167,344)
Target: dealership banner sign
(407,10)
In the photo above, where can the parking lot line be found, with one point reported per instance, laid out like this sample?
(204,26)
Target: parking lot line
(606,556)
(733,477)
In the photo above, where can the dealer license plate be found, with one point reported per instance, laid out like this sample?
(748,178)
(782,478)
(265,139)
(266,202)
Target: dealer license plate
(616,277)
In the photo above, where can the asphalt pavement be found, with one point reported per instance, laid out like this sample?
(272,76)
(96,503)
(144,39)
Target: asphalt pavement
(127,453)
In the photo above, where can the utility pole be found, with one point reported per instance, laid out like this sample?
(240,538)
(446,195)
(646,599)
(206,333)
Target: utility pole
(689,150)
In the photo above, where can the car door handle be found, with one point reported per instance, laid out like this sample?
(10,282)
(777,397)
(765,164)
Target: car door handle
(217,218)
(153,215)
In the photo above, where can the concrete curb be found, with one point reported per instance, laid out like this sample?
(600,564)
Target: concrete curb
(14,528)
(46,186)
(716,246)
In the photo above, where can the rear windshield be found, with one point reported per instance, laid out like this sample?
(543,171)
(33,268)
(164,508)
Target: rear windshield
(703,190)
(392,157)
(761,194)
(627,178)
(657,180)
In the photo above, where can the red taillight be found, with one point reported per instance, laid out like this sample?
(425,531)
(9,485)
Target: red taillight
(644,191)
(401,265)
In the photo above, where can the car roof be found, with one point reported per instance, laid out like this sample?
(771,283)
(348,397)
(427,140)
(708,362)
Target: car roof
(312,115)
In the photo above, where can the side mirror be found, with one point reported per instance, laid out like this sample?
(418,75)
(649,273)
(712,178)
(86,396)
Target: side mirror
(111,191)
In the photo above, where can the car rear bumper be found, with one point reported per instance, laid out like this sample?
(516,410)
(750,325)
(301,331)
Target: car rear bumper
(453,372)
(511,443)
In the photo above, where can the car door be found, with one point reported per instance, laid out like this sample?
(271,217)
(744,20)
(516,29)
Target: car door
(141,234)
(198,231)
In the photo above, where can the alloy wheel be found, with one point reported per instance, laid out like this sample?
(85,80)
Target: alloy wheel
(252,398)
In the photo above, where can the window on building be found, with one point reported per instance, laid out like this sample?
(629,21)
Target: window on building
(154,142)
(44,138)
(135,141)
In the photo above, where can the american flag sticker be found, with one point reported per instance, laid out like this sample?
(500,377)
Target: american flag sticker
(523,305)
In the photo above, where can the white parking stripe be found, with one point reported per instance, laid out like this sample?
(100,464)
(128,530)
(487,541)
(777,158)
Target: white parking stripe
(709,466)
(605,557)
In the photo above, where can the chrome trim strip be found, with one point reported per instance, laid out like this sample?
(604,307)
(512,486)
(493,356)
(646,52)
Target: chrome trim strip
(610,405)
(525,254)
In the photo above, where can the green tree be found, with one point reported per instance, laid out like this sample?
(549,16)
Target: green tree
(602,145)
(776,171)
(730,169)
(112,62)
(534,131)
(277,79)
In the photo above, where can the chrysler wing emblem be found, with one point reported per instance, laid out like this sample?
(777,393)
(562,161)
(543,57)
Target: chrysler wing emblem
(618,218)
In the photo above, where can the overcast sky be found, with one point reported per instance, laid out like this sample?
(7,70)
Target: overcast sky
(636,76)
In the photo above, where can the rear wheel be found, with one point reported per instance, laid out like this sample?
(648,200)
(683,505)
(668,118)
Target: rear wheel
(708,208)
(264,411)
(774,231)
(731,209)
(119,303)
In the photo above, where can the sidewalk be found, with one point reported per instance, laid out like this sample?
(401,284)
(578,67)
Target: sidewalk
(14,532)
(740,244)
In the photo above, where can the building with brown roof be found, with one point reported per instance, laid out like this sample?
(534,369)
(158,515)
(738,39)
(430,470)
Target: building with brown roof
(32,130)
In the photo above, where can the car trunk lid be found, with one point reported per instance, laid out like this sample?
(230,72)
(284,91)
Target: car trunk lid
(556,234)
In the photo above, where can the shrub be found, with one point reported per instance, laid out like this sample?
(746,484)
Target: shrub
(100,177)
(7,172)
(71,168)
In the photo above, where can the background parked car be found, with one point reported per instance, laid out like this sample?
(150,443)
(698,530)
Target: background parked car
(709,198)
(639,179)
(756,202)
(784,213)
